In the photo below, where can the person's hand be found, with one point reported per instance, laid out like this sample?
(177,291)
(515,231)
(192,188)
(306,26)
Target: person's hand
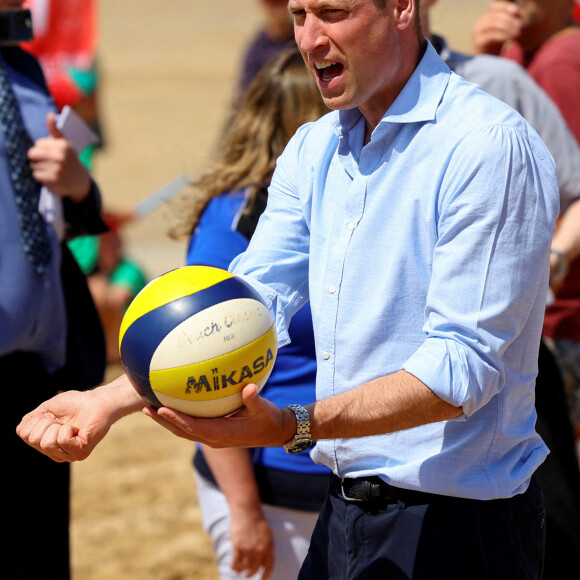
(500,24)
(66,427)
(55,164)
(69,426)
(253,544)
(258,424)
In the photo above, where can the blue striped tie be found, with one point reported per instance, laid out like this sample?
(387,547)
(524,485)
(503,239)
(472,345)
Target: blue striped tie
(35,241)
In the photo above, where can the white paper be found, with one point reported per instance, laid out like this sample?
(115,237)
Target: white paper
(75,129)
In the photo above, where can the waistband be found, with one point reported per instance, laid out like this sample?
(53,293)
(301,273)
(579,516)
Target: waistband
(375,490)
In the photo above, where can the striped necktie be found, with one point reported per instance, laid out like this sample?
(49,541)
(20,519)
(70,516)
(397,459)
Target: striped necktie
(35,241)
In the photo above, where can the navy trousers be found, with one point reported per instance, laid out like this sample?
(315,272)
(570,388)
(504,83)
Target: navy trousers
(428,537)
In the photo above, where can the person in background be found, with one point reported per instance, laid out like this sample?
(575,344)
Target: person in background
(275,36)
(416,219)
(543,36)
(560,473)
(65,42)
(114,278)
(259,506)
(51,338)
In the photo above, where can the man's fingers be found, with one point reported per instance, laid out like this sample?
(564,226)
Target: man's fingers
(249,395)
(58,441)
(168,419)
(51,126)
(33,426)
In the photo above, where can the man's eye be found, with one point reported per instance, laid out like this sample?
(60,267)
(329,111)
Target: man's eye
(333,13)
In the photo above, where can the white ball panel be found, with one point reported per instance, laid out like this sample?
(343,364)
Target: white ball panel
(215,408)
(212,332)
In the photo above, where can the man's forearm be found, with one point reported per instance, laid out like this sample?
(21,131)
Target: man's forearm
(383,405)
(121,396)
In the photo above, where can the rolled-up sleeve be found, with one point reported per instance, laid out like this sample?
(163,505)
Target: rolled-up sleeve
(495,223)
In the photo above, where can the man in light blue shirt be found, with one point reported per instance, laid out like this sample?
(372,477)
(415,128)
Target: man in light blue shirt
(428,255)
(417,219)
(426,250)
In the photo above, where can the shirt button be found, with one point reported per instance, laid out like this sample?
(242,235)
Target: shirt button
(350,225)
(332,289)
(325,355)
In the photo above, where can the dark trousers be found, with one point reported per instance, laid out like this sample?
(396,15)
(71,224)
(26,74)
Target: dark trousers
(428,538)
(559,475)
(35,507)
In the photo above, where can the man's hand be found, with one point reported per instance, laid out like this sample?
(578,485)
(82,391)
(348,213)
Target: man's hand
(500,24)
(70,425)
(66,427)
(259,424)
(55,164)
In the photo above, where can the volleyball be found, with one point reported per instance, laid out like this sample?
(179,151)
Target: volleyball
(194,337)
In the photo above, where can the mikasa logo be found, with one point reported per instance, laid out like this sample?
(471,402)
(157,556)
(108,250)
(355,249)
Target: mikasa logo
(219,380)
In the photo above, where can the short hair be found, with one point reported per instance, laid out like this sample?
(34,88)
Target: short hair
(383,3)
(380,4)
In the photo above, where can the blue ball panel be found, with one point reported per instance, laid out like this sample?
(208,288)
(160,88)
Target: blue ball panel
(143,387)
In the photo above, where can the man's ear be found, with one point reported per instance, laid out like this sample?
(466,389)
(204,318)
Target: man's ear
(405,13)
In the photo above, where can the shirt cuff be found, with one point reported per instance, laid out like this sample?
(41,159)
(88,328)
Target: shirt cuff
(454,373)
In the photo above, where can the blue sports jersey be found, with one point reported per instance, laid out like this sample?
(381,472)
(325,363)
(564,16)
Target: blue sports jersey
(216,241)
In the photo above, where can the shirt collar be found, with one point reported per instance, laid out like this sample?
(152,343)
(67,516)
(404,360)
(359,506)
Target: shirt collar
(417,102)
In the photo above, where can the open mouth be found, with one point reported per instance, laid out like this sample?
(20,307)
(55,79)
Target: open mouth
(327,70)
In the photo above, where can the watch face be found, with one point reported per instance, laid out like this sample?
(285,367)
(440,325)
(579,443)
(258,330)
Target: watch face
(299,445)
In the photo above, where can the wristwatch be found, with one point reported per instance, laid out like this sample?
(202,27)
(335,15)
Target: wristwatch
(302,440)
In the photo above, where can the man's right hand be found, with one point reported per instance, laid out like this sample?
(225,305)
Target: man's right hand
(69,426)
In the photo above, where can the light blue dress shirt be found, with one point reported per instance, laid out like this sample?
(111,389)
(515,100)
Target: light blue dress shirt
(511,83)
(425,250)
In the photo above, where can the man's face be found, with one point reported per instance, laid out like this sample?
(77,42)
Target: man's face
(541,17)
(532,11)
(353,49)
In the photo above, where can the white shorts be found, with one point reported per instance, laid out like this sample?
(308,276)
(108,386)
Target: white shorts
(291,530)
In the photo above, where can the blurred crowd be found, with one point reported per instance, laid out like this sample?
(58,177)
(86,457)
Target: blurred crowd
(526,53)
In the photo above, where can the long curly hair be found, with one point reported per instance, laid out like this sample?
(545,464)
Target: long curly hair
(282,97)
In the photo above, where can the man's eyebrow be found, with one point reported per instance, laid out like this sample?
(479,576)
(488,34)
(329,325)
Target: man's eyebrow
(348,4)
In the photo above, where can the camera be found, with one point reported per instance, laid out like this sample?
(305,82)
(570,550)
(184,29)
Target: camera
(15,26)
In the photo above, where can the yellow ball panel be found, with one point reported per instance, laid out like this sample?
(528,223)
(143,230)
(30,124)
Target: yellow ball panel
(221,376)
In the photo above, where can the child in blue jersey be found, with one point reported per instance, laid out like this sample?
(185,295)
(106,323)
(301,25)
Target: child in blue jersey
(260,505)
